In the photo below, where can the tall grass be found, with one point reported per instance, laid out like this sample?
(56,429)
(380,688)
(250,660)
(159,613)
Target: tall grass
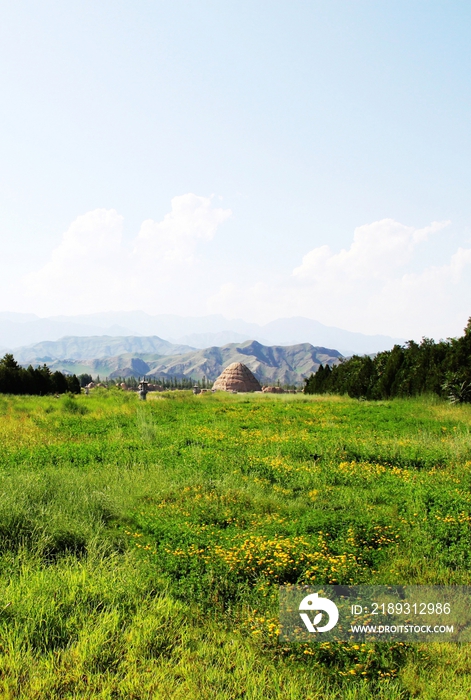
(142,545)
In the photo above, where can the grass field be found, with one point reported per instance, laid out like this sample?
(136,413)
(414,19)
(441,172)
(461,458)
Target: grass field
(142,544)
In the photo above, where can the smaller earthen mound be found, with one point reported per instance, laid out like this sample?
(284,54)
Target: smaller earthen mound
(236,377)
(273,390)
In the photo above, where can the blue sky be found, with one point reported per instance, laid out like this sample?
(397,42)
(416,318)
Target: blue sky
(286,158)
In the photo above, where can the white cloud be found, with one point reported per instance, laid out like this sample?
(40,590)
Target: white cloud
(191,220)
(84,269)
(366,287)
(92,270)
(376,251)
(377,284)
(436,299)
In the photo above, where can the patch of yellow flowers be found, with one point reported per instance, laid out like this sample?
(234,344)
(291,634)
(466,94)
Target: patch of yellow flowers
(369,471)
(278,559)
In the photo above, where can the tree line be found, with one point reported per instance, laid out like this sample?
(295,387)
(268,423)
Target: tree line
(442,368)
(38,381)
(165,382)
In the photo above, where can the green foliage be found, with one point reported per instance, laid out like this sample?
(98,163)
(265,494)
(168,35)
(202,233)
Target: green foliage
(142,544)
(85,379)
(70,405)
(73,384)
(442,368)
(458,391)
(14,379)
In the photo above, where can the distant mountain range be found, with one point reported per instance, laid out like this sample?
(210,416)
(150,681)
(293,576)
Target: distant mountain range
(97,347)
(199,332)
(24,329)
(286,364)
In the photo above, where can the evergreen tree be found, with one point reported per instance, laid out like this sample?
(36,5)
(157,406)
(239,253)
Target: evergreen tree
(73,384)
(14,379)
(442,368)
(59,383)
(85,379)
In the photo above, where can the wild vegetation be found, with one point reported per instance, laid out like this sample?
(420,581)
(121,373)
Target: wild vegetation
(15,379)
(142,544)
(442,368)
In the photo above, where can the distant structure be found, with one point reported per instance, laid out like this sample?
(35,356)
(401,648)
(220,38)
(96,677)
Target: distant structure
(273,390)
(236,377)
(155,387)
(143,389)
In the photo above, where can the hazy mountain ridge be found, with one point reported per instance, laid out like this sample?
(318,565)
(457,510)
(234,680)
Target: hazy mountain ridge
(17,330)
(127,365)
(96,347)
(207,340)
(204,331)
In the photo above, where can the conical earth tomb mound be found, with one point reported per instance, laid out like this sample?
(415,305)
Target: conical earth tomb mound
(237,377)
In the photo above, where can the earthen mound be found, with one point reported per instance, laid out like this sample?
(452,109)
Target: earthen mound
(237,377)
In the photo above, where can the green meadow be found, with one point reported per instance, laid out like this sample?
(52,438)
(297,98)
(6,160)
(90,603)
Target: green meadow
(142,544)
